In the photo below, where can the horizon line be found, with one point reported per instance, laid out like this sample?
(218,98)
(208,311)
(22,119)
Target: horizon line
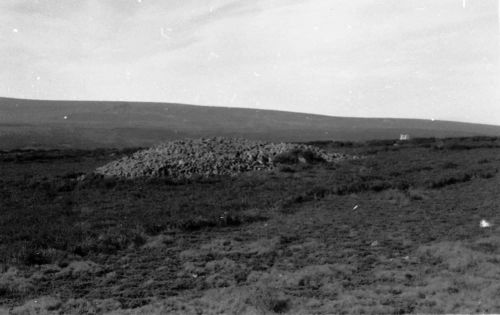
(245,108)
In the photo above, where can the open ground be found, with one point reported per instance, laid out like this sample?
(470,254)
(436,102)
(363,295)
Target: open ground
(397,231)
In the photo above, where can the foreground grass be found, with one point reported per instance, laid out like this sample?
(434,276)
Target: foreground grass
(290,240)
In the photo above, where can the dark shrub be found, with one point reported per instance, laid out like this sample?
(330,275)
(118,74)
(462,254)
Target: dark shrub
(73,175)
(346,189)
(290,157)
(35,257)
(371,151)
(315,193)
(279,305)
(386,142)
(379,185)
(196,223)
(286,169)
(297,156)
(449,165)
(318,192)
(489,173)
(269,300)
(110,182)
(224,219)
(458,146)
(421,141)
(112,240)
(402,184)
(449,179)
(331,166)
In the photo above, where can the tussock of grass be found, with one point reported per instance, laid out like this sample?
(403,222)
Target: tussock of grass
(396,197)
(12,283)
(455,177)
(469,282)
(453,255)
(450,179)
(223,219)
(269,300)
(41,305)
(54,305)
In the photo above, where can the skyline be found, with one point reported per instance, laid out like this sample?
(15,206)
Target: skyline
(417,59)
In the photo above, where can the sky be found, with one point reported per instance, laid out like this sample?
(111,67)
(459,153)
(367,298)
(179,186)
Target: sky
(430,59)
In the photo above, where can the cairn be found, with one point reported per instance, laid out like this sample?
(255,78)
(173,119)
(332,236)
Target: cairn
(213,156)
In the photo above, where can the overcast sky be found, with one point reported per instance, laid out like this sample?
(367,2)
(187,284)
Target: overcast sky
(371,58)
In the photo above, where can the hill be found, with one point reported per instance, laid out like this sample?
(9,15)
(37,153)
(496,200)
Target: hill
(91,124)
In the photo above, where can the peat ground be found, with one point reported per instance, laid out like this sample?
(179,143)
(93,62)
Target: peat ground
(397,231)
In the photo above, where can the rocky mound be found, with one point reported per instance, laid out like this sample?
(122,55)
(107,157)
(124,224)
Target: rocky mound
(214,156)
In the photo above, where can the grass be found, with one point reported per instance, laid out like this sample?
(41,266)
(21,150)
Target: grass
(50,216)
(100,215)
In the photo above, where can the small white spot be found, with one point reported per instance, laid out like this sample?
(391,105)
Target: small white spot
(432,119)
(485,224)
(256,74)
(139,1)
(38,78)
(355,207)
(15,30)
(65,117)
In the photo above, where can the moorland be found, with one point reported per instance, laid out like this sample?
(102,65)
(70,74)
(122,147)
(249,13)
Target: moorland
(63,124)
(396,231)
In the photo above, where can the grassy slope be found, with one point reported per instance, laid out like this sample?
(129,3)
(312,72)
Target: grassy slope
(25,123)
(292,240)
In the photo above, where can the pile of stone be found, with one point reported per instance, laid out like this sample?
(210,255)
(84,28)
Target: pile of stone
(213,156)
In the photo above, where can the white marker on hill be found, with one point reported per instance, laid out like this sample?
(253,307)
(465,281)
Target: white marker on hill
(484,223)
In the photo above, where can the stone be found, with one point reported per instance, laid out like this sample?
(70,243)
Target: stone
(207,157)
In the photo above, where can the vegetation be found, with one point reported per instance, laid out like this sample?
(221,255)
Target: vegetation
(305,237)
